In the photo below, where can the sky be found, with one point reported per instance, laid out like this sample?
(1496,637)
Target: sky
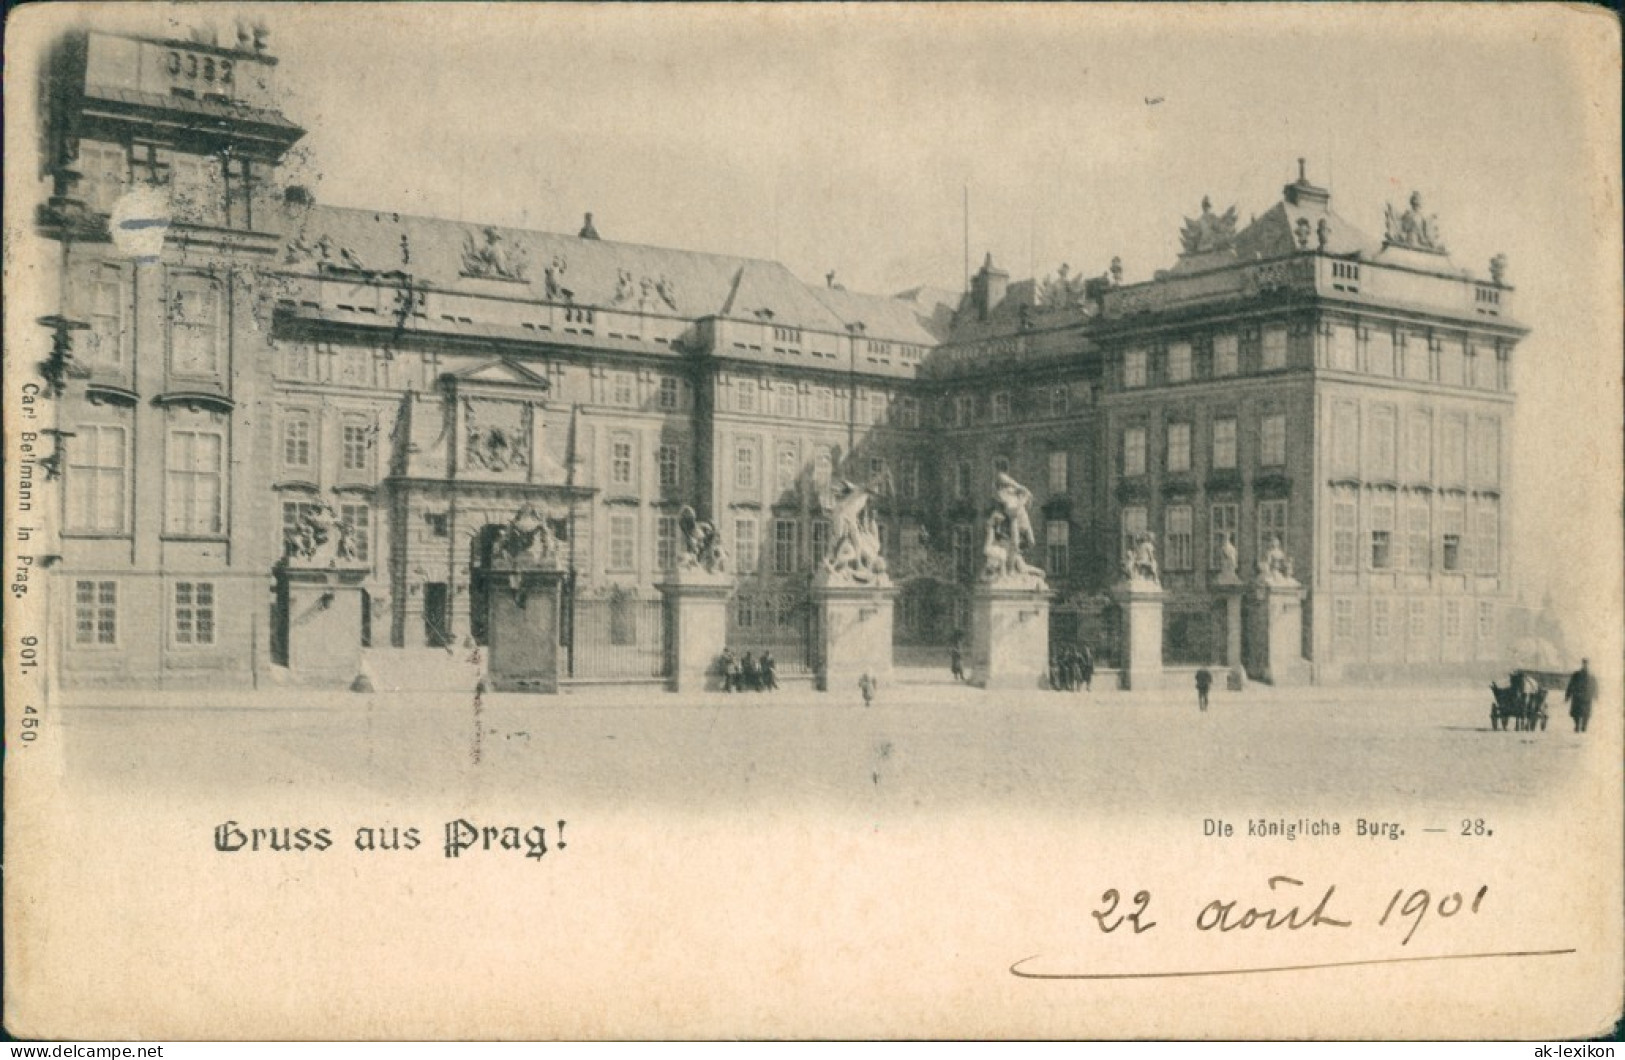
(849,137)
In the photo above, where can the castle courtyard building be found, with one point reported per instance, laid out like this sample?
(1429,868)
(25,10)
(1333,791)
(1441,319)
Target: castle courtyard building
(229,357)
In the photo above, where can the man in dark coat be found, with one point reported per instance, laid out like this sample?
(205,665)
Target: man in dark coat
(1088,670)
(1204,681)
(956,659)
(752,676)
(770,672)
(727,664)
(1581,692)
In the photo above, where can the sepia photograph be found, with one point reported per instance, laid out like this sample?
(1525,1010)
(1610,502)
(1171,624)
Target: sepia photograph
(813,521)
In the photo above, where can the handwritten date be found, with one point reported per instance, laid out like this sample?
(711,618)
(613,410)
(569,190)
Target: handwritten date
(1287,910)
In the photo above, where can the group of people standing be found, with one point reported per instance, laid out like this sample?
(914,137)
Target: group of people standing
(748,673)
(1073,670)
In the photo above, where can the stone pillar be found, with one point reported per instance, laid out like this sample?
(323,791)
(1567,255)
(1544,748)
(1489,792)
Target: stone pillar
(696,628)
(522,627)
(1231,589)
(320,608)
(854,633)
(1010,636)
(1141,604)
(1276,630)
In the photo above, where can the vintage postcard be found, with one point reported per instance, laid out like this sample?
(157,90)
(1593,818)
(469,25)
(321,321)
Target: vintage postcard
(554,521)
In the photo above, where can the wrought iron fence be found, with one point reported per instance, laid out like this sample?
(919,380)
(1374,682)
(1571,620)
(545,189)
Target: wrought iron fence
(784,623)
(615,636)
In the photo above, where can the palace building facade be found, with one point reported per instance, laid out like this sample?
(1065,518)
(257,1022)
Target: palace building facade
(229,357)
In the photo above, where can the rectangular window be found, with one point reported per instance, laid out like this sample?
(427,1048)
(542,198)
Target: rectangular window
(1416,622)
(745,467)
(820,538)
(1134,524)
(1272,525)
(1272,441)
(1224,444)
(624,388)
(1059,400)
(1345,533)
(623,542)
(1418,533)
(1001,406)
(668,394)
(1343,621)
(1379,352)
(359,519)
(1226,357)
(666,542)
(784,400)
(194,613)
(1452,521)
(96,480)
(194,328)
(299,361)
(1057,471)
(1179,447)
(1223,525)
(194,500)
(745,395)
(1273,349)
(962,480)
(1133,452)
(357,448)
(1382,533)
(1382,620)
(1134,368)
(620,460)
(784,546)
(95,613)
(666,461)
(1486,627)
(1057,550)
(878,404)
(1179,550)
(106,337)
(824,404)
(745,544)
(1487,546)
(106,169)
(296,438)
(1452,620)
(910,473)
(964,410)
(1179,362)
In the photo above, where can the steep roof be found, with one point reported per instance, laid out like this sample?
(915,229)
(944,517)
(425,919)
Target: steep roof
(602,273)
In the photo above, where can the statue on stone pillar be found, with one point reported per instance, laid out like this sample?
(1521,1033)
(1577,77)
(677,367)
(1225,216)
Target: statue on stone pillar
(1009,532)
(702,545)
(1275,566)
(1227,556)
(854,555)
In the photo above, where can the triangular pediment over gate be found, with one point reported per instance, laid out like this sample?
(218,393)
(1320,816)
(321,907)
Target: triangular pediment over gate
(502,371)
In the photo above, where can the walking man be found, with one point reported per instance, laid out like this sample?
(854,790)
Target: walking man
(867,685)
(770,672)
(1581,692)
(1088,670)
(727,664)
(1204,681)
(956,659)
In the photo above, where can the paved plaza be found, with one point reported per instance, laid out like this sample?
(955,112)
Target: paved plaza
(922,747)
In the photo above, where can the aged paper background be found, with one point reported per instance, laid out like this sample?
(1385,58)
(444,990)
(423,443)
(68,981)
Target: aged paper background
(733,911)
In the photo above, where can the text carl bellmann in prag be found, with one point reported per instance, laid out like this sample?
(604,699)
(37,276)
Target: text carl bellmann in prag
(460,835)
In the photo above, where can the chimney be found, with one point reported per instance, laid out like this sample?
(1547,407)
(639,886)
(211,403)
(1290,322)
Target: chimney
(988,287)
(587,230)
(1301,192)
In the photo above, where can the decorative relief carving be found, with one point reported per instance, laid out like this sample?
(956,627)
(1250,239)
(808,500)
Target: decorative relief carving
(1210,231)
(489,256)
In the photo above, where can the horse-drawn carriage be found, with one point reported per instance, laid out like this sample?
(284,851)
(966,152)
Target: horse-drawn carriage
(1521,704)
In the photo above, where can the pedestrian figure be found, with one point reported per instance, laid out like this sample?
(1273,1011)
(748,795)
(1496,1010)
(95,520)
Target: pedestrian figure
(1088,669)
(1074,670)
(1581,692)
(736,676)
(1204,681)
(770,672)
(956,659)
(752,675)
(867,685)
(728,665)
